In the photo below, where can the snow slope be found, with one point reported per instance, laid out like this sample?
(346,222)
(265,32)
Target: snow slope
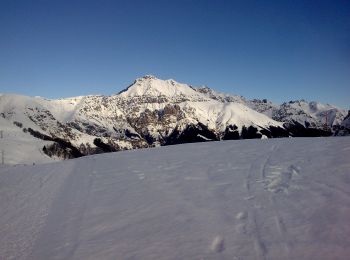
(249,199)
(19,147)
(152,86)
(346,122)
(310,114)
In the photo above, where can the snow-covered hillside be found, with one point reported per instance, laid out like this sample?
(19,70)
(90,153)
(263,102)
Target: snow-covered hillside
(345,125)
(309,114)
(251,199)
(20,148)
(153,112)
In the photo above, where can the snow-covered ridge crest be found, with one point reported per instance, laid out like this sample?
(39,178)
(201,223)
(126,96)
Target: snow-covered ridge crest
(152,86)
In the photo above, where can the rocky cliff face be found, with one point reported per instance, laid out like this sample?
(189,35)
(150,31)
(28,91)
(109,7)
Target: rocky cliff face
(152,112)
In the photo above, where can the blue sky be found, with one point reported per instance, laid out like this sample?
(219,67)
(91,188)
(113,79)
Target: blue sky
(281,50)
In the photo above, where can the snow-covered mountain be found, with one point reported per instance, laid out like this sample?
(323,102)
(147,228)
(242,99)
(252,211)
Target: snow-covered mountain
(299,117)
(152,112)
(309,114)
(345,126)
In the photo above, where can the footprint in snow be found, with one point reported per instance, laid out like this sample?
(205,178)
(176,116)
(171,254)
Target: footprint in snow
(241,215)
(217,245)
(278,180)
(141,176)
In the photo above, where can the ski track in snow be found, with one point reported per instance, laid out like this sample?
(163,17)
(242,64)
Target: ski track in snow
(69,213)
(251,199)
(256,172)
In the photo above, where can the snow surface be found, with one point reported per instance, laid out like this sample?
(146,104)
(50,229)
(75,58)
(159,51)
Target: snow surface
(19,147)
(247,199)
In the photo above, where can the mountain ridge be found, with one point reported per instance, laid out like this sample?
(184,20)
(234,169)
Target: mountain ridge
(153,112)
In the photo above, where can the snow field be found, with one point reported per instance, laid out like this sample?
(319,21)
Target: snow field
(248,199)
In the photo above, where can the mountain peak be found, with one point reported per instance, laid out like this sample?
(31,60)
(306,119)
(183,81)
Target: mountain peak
(146,77)
(150,85)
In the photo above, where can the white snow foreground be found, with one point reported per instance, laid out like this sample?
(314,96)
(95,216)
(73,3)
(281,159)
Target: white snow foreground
(249,199)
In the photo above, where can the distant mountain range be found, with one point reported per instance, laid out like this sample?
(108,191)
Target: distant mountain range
(153,112)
